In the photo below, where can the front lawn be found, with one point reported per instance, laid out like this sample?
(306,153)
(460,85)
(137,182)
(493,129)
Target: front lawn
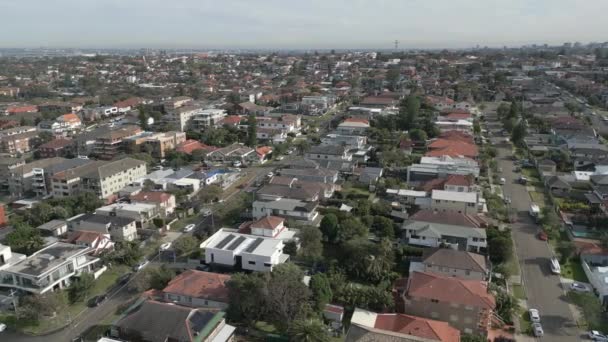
(518,291)
(573,270)
(525,325)
(592,310)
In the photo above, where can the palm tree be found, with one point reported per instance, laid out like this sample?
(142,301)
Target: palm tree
(309,330)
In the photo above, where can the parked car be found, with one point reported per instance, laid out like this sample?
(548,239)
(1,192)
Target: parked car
(538,330)
(2,327)
(237,164)
(140,265)
(206,211)
(124,279)
(507,200)
(534,315)
(503,181)
(95,301)
(279,158)
(165,246)
(189,228)
(578,287)
(269,174)
(517,169)
(595,335)
(542,236)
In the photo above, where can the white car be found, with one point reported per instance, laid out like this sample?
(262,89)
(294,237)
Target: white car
(165,246)
(538,330)
(503,181)
(595,335)
(189,228)
(534,315)
(578,287)
(279,158)
(269,174)
(2,327)
(140,265)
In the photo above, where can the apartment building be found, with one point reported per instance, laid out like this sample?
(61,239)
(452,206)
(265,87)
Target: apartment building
(297,210)
(155,144)
(208,118)
(60,147)
(108,144)
(19,143)
(118,227)
(7,165)
(465,304)
(103,178)
(182,117)
(34,178)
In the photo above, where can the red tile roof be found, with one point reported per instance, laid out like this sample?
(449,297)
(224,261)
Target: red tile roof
(190,146)
(56,144)
(130,102)
(70,117)
(459,180)
(433,184)
(450,290)
(458,116)
(83,236)
(457,135)
(263,150)
(443,147)
(450,217)
(417,326)
(364,121)
(151,196)
(231,120)
(334,308)
(268,222)
(198,284)
(22,109)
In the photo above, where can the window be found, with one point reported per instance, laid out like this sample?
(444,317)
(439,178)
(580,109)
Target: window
(267,264)
(251,262)
(453,318)
(434,314)
(467,307)
(468,320)
(467,272)
(435,300)
(475,239)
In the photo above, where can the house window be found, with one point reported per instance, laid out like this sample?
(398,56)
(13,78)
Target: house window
(475,239)
(435,300)
(453,318)
(251,262)
(267,264)
(467,272)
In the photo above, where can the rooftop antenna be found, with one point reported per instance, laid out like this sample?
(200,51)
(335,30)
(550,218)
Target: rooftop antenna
(396,44)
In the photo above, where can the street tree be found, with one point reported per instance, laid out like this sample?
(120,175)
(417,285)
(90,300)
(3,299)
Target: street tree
(80,288)
(185,245)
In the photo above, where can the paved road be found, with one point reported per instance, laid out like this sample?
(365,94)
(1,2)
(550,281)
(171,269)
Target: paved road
(543,289)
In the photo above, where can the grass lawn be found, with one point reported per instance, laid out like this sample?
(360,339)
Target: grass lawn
(573,270)
(513,265)
(538,198)
(518,292)
(525,324)
(265,327)
(530,173)
(592,311)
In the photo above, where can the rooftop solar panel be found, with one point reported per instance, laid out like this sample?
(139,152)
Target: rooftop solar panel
(236,243)
(254,245)
(225,241)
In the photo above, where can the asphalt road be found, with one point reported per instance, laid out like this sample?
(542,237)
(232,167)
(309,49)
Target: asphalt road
(544,289)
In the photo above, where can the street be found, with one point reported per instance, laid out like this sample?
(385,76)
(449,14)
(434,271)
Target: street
(543,289)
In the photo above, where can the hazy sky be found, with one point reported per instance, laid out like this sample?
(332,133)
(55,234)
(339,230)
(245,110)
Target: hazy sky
(299,23)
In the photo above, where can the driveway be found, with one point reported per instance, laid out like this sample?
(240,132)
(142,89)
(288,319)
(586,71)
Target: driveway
(544,289)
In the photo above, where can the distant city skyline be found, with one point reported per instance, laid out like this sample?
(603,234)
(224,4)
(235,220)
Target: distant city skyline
(313,24)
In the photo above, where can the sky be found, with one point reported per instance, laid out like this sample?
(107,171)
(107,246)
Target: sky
(304,24)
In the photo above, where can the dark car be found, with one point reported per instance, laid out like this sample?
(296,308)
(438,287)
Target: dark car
(124,279)
(95,301)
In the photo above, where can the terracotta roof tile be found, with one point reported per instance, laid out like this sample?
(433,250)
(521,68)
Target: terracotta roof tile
(450,290)
(199,284)
(268,222)
(417,326)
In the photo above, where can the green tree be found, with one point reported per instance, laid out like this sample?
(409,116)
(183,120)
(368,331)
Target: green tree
(321,290)
(125,252)
(160,277)
(418,135)
(566,250)
(519,133)
(185,245)
(143,119)
(473,338)
(247,299)
(351,228)
(80,288)
(503,110)
(384,227)
(302,146)
(291,248)
(24,239)
(329,227)
(500,245)
(309,330)
(286,295)
(252,139)
(311,247)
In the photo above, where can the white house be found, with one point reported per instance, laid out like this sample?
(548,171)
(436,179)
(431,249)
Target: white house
(142,213)
(462,202)
(329,152)
(254,253)
(435,234)
(300,211)
(50,268)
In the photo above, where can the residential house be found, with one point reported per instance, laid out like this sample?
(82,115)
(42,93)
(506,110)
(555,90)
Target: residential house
(321,175)
(128,104)
(430,234)
(465,304)
(333,153)
(379,102)
(353,126)
(190,145)
(451,217)
(588,154)
(325,190)
(7,165)
(273,192)
(452,148)
(8,258)
(51,268)
(453,263)
(351,142)
(97,241)
(118,227)
(19,143)
(198,289)
(63,125)
(464,202)
(152,321)
(229,248)
(269,226)
(96,113)
(164,201)
(182,117)
(142,213)
(54,228)
(370,326)
(233,153)
(441,167)
(177,102)
(370,175)
(297,210)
